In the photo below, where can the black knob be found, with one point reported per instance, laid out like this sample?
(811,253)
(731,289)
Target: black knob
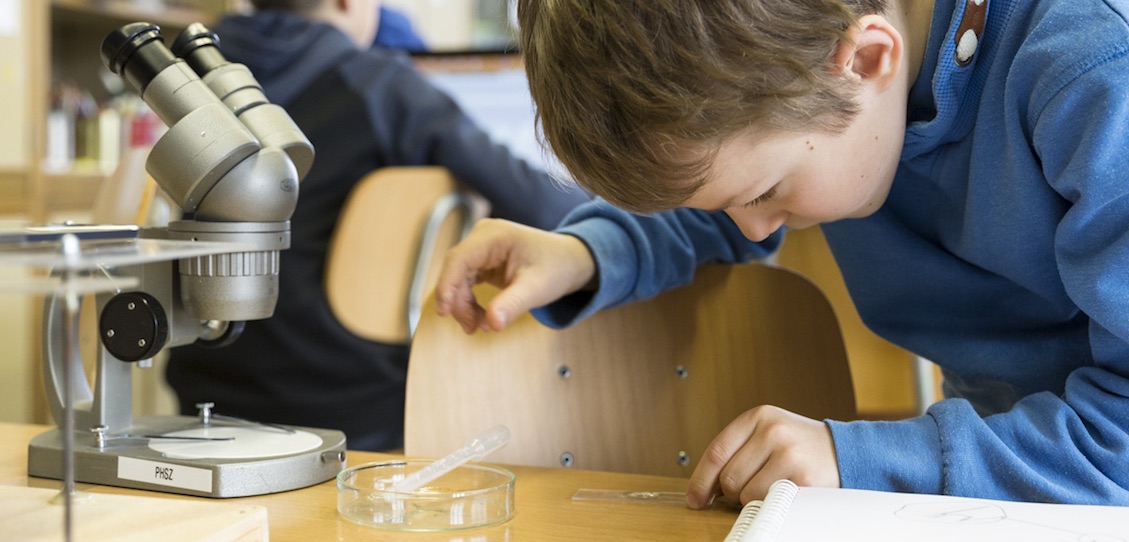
(133,326)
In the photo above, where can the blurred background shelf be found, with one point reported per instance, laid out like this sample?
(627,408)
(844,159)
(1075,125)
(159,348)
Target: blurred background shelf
(57,43)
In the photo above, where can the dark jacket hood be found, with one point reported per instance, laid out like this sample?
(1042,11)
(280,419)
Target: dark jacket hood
(285,51)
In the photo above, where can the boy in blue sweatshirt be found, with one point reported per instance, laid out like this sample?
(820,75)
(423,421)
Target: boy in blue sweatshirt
(966,160)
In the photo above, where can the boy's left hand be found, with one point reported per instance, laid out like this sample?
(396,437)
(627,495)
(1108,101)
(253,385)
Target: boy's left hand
(761,446)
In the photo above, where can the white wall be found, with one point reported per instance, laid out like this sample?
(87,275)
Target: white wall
(13,86)
(17,367)
(445,24)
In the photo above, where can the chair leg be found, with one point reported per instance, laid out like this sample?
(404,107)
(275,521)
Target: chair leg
(925,383)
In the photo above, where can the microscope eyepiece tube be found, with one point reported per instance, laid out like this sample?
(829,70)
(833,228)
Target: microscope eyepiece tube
(234,84)
(137,53)
(199,46)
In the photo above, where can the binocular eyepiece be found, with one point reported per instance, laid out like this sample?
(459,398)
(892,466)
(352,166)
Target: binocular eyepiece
(136,51)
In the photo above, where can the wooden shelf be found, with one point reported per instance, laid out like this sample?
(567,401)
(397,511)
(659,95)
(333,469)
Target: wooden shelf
(62,41)
(117,12)
(13,192)
(458,63)
(71,191)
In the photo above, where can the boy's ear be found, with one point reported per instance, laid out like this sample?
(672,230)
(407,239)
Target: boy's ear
(871,52)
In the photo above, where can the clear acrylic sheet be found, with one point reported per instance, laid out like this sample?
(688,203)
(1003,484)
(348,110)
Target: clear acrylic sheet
(100,248)
(647,497)
(614,495)
(111,253)
(56,284)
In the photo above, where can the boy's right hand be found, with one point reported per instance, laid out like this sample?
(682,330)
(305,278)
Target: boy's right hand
(532,267)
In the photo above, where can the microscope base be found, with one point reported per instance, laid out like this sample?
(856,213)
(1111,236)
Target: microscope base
(136,464)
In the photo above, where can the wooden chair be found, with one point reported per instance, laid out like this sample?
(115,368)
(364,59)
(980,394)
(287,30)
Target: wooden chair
(389,241)
(641,388)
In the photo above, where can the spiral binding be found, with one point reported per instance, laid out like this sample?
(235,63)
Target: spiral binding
(760,521)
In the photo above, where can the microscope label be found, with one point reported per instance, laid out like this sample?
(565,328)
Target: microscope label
(165,474)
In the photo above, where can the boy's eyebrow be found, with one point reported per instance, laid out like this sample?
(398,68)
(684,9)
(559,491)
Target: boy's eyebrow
(728,204)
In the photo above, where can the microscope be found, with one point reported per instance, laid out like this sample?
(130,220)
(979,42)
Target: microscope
(232,162)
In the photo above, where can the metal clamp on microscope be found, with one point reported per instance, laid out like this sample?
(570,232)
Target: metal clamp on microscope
(232,162)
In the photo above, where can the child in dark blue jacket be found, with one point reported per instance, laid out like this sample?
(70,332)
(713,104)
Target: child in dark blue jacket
(362,108)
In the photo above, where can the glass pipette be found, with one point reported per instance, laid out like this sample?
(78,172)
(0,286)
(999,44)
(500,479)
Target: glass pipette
(473,450)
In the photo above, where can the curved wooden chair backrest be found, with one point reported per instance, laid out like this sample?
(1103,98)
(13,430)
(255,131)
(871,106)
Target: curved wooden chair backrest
(640,388)
(388,244)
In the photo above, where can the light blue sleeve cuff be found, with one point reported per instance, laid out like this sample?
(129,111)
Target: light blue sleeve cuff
(616,269)
(902,455)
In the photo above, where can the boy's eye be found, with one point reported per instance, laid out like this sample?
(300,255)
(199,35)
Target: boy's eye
(771,193)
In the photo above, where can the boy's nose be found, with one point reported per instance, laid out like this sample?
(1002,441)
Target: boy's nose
(756,226)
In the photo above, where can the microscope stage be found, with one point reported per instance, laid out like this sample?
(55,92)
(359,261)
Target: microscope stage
(257,461)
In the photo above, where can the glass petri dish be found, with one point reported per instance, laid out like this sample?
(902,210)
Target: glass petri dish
(472,495)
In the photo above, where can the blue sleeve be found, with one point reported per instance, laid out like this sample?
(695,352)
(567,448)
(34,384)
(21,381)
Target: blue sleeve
(395,31)
(638,257)
(1049,447)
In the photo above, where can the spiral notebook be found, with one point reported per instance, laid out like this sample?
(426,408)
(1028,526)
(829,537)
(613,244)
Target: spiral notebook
(802,514)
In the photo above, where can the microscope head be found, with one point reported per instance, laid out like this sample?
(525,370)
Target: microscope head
(230,160)
(239,90)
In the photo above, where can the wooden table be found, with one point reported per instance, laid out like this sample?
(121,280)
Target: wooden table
(544,509)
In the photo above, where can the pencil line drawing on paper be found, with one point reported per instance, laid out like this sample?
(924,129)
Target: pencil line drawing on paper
(986,513)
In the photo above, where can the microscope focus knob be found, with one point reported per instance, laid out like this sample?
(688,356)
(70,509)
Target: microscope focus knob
(133,326)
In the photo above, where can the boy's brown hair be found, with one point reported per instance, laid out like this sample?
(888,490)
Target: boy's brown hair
(635,96)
